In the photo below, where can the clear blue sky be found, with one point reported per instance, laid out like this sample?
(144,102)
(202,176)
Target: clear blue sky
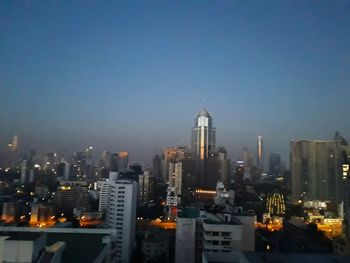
(128,75)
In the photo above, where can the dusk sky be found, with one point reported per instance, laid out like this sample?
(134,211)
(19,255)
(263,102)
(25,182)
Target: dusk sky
(132,75)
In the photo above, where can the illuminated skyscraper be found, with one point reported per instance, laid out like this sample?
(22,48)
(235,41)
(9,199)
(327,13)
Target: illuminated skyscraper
(203,135)
(259,156)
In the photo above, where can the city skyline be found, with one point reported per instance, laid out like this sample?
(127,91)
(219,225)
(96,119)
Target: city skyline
(127,76)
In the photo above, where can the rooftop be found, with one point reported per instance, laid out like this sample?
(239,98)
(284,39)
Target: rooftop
(189,212)
(204,112)
(23,236)
(233,221)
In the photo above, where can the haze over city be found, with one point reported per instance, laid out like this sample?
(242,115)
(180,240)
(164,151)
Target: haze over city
(133,75)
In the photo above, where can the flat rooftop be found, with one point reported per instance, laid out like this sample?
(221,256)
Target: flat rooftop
(25,236)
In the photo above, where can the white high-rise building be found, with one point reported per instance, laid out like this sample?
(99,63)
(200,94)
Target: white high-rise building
(119,199)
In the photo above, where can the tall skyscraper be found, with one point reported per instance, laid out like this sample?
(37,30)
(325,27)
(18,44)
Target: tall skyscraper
(203,135)
(123,160)
(146,187)
(316,169)
(156,167)
(259,155)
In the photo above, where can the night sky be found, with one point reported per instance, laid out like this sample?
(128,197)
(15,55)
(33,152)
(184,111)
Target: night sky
(126,75)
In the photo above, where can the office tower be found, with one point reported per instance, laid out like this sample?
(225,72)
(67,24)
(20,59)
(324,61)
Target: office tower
(239,172)
(123,160)
(63,170)
(316,169)
(203,135)
(121,215)
(247,158)
(114,162)
(146,188)
(89,168)
(189,180)
(171,154)
(106,160)
(71,194)
(217,167)
(104,196)
(27,168)
(274,164)
(27,172)
(175,178)
(79,165)
(156,167)
(50,160)
(260,152)
(173,198)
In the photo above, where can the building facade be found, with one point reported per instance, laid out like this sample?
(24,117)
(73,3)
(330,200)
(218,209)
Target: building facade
(203,135)
(316,170)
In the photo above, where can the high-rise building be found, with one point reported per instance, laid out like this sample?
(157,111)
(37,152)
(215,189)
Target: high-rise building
(174,188)
(316,169)
(71,194)
(79,165)
(247,158)
(259,154)
(239,171)
(27,168)
(274,163)
(156,167)
(123,160)
(203,135)
(63,169)
(146,188)
(121,215)
(106,160)
(50,161)
(89,163)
